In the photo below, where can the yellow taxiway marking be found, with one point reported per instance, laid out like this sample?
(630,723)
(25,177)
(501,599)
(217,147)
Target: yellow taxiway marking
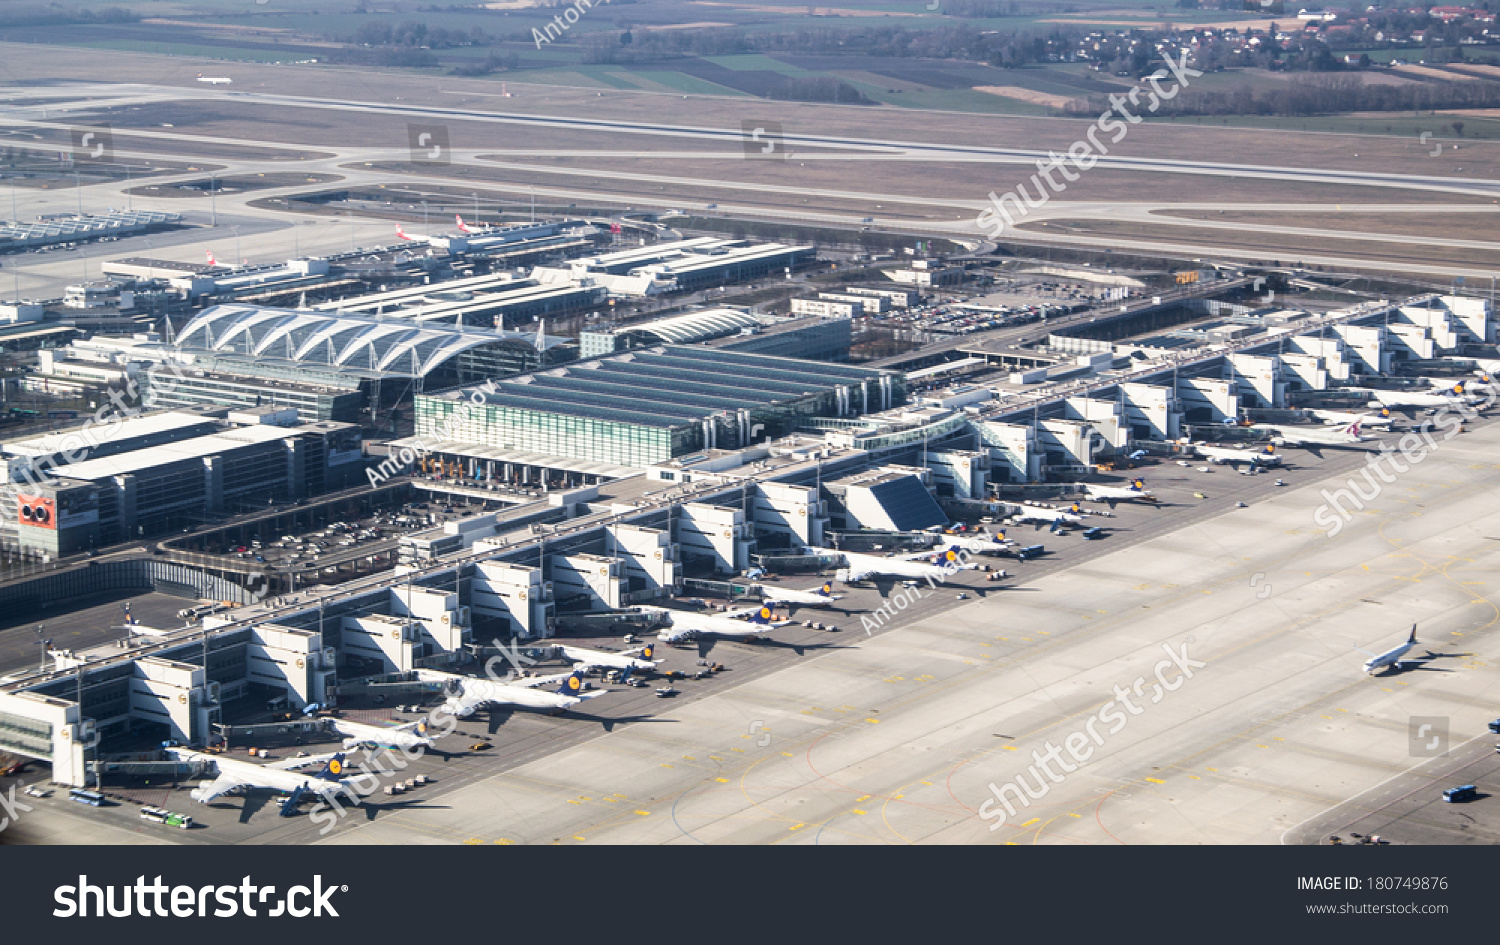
(856,810)
(1031,821)
(644,813)
(1156,780)
(722,780)
(873,721)
(504,842)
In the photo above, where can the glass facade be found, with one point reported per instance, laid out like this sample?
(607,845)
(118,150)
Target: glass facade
(651,405)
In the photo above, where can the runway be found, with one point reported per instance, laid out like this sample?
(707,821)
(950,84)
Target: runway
(696,166)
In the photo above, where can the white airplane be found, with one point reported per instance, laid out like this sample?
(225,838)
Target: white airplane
(236,777)
(1112,494)
(408,736)
(468,693)
(1057,518)
(478,230)
(1391,657)
(412,237)
(627,661)
(1437,397)
(863,567)
(214,80)
(1315,437)
(1380,419)
(820,596)
(686,627)
(1223,455)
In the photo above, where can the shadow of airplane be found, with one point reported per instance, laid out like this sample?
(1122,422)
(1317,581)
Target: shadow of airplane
(416,803)
(800,648)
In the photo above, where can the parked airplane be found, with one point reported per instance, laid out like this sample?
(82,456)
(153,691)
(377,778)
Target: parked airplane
(478,230)
(685,627)
(468,693)
(820,596)
(1112,494)
(1233,457)
(214,80)
(863,567)
(408,736)
(1391,657)
(412,237)
(1437,397)
(594,659)
(211,260)
(1382,418)
(1056,518)
(236,777)
(1317,436)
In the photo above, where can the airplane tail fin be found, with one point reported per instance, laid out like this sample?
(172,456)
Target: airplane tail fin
(401,233)
(1138,485)
(462,227)
(572,686)
(211,260)
(334,770)
(1413,637)
(827,589)
(1353,429)
(762,616)
(648,650)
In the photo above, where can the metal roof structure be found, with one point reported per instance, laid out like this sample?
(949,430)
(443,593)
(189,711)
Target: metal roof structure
(694,326)
(195,448)
(93,434)
(517,457)
(669,386)
(86,227)
(394,346)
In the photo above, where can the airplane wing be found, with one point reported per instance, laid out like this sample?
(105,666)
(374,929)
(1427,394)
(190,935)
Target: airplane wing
(742,612)
(210,791)
(463,705)
(294,764)
(531,682)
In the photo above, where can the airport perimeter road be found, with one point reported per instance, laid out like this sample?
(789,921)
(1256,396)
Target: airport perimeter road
(896,740)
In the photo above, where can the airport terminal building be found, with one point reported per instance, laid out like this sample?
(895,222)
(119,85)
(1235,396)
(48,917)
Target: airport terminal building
(649,406)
